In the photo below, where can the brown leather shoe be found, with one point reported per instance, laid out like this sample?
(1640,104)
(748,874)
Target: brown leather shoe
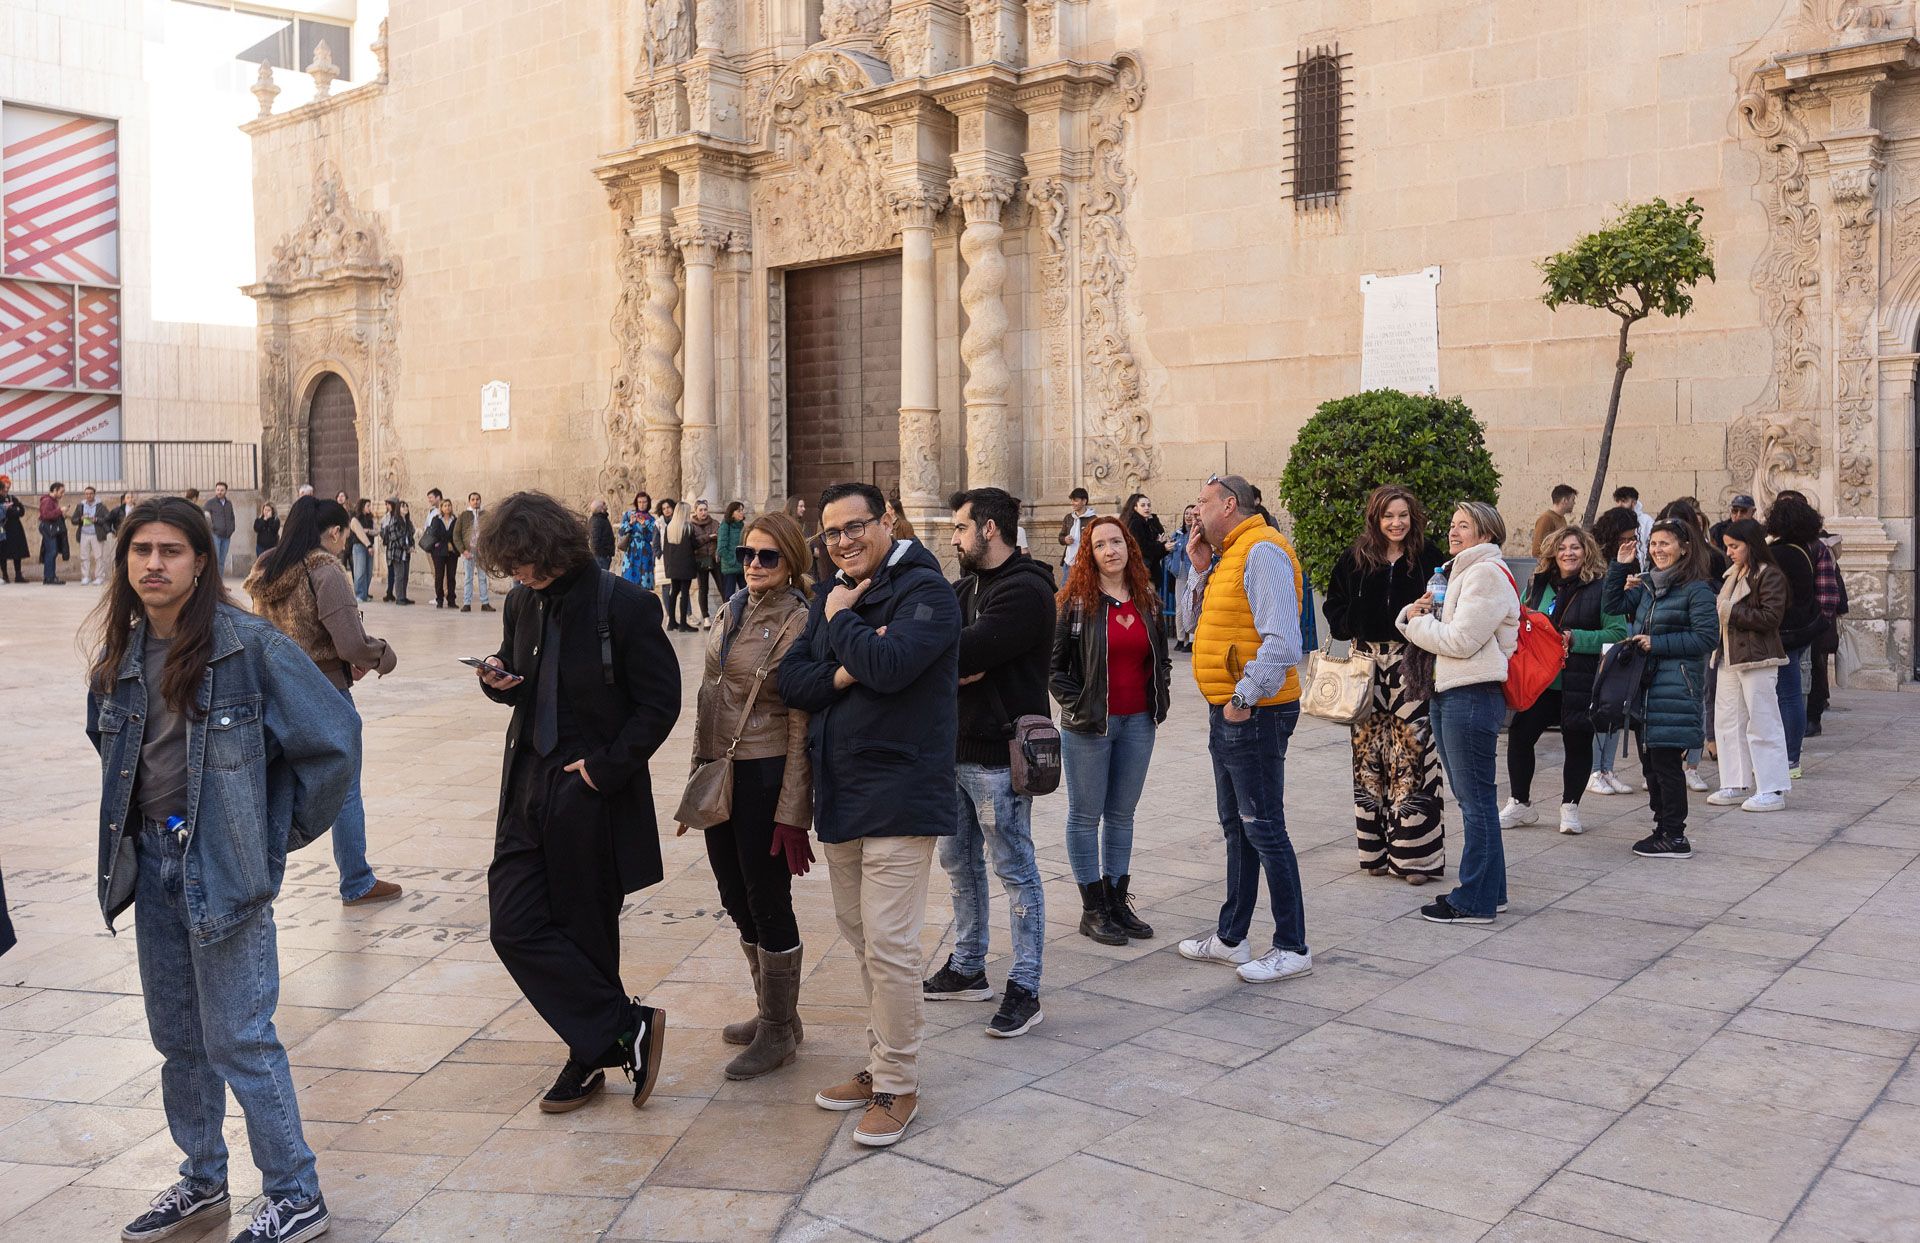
(886,1119)
(855,1093)
(382,891)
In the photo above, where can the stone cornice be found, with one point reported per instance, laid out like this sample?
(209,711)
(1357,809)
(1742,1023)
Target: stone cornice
(312,110)
(1796,71)
(643,160)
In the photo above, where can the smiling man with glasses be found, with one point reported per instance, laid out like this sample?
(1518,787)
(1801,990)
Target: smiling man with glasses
(877,669)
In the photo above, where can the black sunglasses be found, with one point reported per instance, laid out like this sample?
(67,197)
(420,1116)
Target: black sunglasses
(765,558)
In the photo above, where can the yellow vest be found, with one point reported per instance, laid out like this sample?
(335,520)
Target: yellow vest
(1226,638)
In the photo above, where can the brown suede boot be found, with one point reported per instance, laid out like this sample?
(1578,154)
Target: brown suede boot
(742,1032)
(774,1043)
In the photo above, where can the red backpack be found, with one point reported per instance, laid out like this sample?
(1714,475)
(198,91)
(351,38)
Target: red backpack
(1539,657)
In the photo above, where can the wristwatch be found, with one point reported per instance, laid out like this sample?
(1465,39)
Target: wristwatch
(1240,701)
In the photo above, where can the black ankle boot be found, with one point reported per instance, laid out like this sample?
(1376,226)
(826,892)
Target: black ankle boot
(1120,909)
(1096,919)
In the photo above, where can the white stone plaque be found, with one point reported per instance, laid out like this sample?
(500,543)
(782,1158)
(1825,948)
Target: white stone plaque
(494,405)
(1400,332)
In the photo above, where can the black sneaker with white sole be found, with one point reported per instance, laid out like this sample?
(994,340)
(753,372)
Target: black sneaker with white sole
(286,1220)
(1019,1011)
(173,1209)
(576,1084)
(1661,846)
(1441,911)
(946,984)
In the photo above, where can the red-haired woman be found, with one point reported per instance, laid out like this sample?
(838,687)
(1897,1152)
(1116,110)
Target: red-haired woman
(1110,671)
(1396,784)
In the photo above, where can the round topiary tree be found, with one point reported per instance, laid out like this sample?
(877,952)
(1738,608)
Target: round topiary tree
(1430,445)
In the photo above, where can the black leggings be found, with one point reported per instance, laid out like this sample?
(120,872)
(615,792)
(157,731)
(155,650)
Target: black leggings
(679,600)
(443,578)
(755,886)
(704,574)
(1524,734)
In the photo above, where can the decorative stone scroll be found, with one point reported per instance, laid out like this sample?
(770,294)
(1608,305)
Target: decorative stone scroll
(829,199)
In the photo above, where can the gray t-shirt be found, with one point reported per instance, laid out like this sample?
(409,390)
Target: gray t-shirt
(161,786)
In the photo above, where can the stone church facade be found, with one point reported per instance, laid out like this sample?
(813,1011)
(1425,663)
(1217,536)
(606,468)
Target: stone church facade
(734,248)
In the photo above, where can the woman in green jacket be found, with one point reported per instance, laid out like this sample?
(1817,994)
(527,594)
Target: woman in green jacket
(1567,589)
(1674,618)
(733,526)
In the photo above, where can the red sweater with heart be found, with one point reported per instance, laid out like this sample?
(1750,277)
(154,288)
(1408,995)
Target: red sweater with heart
(1129,660)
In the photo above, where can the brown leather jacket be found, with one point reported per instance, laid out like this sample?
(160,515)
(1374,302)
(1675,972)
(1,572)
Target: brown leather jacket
(316,609)
(1752,607)
(754,637)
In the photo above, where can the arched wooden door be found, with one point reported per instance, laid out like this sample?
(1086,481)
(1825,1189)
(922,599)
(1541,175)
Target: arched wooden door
(333,448)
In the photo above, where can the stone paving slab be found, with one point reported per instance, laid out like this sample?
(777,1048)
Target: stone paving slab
(1717,1049)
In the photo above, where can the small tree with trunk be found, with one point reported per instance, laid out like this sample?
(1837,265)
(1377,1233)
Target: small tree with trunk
(1648,258)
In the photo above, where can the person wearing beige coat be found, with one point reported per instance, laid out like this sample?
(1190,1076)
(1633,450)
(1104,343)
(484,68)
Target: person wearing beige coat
(1746,703)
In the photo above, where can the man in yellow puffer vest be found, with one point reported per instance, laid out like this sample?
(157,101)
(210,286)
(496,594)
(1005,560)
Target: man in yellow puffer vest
(1246,589)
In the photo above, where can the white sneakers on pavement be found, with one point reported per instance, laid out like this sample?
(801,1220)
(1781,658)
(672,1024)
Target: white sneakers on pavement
(1570,818)
(1726,796)
(1695,781)
(1768,800)
(1211,948)
(1517,814)
(1275,964)
(1598,784)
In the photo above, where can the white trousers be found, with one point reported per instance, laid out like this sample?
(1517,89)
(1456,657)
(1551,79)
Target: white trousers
(1746,720)
(93,558)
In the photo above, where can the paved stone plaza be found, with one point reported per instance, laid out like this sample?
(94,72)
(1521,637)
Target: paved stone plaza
(1718,1049)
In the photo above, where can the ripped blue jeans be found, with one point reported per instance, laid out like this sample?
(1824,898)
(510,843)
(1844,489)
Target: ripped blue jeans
(993,819)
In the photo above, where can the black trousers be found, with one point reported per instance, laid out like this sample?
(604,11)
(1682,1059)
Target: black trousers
(705,574)
(553,897)
(679,600)
(755,886)
(443,572)
(1524,734)
(1819,695)
(1666,788)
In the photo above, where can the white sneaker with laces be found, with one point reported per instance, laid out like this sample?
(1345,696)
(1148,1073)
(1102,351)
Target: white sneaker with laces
(1516,814)
(1275,964)
(1695,781)
(1622,787)
(1599,784)
(1211,948)
(1726,796)
(1766,800)
(1570,818)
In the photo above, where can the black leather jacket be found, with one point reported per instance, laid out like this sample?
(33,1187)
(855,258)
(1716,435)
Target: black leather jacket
(1077,675)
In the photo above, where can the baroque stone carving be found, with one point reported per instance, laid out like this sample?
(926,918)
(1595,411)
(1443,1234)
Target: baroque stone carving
(660,379)
(334,239)
(990,442)
(777,389)
(712,19)
(265,89)
(906,43)
(983,22)
(323,70)
(1043,18)
(667,38)
(1119,449)
(1051,213)
(1765,454)
(625,431)
(853,20)
(1856,404)
(379,50)
(830,200)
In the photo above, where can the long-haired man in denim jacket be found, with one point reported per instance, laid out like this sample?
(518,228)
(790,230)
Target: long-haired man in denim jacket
(222,747)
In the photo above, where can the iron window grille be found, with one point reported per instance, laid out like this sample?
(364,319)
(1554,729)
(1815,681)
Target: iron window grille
(1319,108)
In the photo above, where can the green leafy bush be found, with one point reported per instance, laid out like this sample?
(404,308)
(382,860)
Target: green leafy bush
(1431,445)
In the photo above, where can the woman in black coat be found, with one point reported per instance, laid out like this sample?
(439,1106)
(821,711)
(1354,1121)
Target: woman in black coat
(1148,532)
(1793,528)
(1397,804)
(13,546)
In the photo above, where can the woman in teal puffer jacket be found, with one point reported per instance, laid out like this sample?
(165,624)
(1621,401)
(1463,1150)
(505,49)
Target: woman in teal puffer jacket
(1674,619)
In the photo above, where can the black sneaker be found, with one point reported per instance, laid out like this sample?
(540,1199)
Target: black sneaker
(639,1050)
(1660,846)
(1441,911)
(577,1084)
(286,1221)
(173,1209)
(947,984)
(1019,1010)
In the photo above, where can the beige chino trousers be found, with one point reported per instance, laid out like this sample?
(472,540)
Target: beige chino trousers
(880,901)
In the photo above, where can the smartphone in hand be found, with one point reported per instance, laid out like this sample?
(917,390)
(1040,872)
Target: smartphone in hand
(476,662)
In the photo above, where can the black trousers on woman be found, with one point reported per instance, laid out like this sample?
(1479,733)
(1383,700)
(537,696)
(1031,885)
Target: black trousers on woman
(1666,788)
(755,886)
(1525,733)
(443,578)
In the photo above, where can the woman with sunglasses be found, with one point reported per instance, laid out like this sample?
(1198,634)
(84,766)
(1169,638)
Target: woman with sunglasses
(763,844)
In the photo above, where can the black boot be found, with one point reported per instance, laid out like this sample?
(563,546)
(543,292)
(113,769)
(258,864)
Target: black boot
(1120,909)
(1096,919)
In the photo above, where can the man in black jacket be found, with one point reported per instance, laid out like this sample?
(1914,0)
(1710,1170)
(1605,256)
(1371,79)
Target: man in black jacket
(1006,606)
(595,689)
(876,670)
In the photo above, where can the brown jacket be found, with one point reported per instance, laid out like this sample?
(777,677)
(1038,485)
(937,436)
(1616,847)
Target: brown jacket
(761,633)
(1751,608)
(317,610)
(1545,527)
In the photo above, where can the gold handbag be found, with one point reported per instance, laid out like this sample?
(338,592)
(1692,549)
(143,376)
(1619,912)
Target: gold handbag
(1339,689)
(708,799)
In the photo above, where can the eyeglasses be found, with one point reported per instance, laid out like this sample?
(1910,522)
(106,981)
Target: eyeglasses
(765,558)
(852,531)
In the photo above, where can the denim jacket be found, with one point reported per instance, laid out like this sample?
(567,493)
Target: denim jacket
(269,763)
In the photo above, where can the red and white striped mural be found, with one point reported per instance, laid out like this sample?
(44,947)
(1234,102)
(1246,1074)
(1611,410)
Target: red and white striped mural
(47,416)
(36,335)
(59,176)
(97,339)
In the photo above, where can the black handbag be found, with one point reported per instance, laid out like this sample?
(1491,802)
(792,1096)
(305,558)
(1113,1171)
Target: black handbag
(1619,687)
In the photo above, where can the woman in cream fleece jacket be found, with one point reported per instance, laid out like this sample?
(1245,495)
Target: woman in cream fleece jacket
(1470,632)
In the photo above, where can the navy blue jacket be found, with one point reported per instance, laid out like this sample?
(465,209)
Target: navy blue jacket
(883,749)
(1685,625)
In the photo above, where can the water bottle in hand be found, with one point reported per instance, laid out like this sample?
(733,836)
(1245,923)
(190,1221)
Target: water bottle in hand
(1437,587)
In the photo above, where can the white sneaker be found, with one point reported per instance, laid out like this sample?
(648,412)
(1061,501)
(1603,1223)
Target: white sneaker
(1793,773)
(1599,784)
(1275,965)
(1570,818)
(1695,781)
(1766,800)
(1516,813)
(1626,787)
(1726,796)
(1211,948)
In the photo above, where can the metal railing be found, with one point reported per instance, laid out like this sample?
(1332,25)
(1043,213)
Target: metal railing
(130,465)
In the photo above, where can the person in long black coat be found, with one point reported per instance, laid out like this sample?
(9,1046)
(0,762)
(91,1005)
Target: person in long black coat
(576,830)
(13,534)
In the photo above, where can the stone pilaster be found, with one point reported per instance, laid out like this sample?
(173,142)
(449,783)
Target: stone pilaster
(700,248)
(917,206)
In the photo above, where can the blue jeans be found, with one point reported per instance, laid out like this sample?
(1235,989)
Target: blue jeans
(350,836)
(362,570)
(1249,784)
(210,1013)
(1105,775)
(474,575)
(994,818)
(1792,694)
(221,543)
(1466,727)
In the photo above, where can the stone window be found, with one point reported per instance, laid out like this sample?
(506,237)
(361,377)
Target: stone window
(1317,102)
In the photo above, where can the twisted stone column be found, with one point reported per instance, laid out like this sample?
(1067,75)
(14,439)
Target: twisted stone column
(700,246)
(660,381)
(991,445)
(917,206)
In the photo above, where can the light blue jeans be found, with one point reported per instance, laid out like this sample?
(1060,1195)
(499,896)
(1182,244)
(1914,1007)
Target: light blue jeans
(210,1013)
(362,570)
(350,837)
(994,819)
(474,575)
(1105,775)
(220,545)
(1466,727)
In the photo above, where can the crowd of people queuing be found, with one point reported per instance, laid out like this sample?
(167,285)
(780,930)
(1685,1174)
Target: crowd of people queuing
(850,693)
